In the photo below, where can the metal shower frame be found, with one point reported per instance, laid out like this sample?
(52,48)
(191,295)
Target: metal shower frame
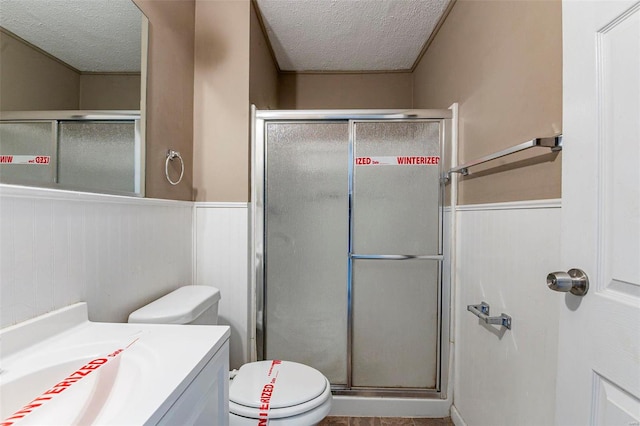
(257,337)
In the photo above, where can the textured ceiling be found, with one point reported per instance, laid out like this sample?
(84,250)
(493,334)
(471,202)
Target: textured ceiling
(89,35)
(349,35)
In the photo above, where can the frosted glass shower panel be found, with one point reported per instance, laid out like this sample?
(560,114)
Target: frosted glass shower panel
(306,241)
(396,188)
(395,323)
(20,144)
(98,155)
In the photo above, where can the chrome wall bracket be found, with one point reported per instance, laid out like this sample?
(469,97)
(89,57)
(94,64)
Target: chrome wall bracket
(482,311)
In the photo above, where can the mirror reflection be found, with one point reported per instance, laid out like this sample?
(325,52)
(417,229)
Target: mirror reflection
(71,87)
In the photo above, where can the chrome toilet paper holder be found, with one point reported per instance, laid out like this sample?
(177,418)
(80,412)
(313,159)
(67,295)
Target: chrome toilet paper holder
(482,311)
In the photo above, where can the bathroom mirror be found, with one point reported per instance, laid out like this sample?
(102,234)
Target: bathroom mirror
(73,86)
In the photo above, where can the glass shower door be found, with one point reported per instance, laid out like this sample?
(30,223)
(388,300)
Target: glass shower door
(98,155)
(306,241)
(395,254)
(353,251)
(21,143)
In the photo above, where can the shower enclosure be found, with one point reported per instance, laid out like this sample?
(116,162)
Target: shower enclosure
(348,246)
(100,151)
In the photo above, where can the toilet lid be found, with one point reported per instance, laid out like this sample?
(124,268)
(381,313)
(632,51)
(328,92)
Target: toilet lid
(279,384)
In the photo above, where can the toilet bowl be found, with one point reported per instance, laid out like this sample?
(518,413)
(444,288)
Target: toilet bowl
(282,392)
(285,392)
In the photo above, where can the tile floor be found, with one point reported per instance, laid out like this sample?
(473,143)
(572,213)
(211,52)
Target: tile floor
(385,421)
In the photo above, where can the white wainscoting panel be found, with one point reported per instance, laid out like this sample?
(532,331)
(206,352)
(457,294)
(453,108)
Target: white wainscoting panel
(222,260)
(116,253)
(504,253)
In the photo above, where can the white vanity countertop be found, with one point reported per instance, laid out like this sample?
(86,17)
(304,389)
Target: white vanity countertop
(61,368)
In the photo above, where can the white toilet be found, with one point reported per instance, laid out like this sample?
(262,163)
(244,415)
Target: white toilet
(284,392)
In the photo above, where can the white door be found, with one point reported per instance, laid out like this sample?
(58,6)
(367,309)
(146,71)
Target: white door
(598,380)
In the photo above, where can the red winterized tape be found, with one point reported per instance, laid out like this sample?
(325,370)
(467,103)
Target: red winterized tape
(267,393)
(69,381)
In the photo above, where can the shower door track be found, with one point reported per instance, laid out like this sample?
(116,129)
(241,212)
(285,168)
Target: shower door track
(259,120)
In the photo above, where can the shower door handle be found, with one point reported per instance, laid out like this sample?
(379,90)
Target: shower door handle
(396,256)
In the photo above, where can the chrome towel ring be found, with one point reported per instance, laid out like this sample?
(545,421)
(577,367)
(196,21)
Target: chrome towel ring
(171,154)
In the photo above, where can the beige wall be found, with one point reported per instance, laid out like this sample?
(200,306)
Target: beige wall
(333,91)
(169,94)
(110,91)
(221,101)
(496,59)
(31,80)
(502,61)
(263,74)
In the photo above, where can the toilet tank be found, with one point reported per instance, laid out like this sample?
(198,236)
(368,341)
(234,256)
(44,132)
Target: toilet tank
(192,304)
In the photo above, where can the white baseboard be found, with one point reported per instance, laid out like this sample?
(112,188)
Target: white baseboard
(456,418)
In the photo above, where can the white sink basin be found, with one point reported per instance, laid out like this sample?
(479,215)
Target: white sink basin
(63,369)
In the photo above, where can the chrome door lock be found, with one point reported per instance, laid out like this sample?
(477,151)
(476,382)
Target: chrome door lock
(574,281)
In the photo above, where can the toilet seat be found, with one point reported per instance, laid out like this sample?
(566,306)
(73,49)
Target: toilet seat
(277,389)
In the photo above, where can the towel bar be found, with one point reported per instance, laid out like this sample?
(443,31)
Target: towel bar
(554,143)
